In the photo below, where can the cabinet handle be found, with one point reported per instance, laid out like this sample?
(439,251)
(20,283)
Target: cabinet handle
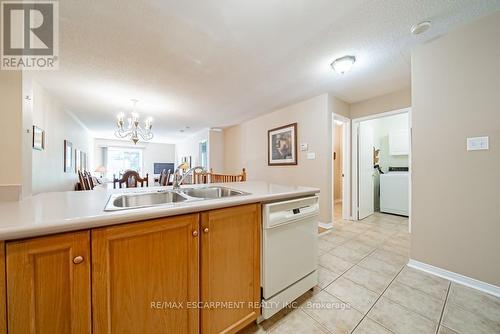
(195,233)
(205,230)
(78,259)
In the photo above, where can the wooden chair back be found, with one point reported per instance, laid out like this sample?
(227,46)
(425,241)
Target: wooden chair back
(200,177)
(164,177)
(130,179)
(90,180)
(83,181)
(223,178)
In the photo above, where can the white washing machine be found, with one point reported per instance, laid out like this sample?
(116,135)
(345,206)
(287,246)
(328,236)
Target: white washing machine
(394,192)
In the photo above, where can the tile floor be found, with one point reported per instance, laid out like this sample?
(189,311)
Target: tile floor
(365,288)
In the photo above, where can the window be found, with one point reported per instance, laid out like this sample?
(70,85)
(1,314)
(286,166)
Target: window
(120,159)
(203,154)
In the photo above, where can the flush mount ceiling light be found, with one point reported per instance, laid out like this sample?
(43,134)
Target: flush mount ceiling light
(420,28)
(343,64)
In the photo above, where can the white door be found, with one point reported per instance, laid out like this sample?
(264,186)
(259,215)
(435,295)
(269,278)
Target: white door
(365,170)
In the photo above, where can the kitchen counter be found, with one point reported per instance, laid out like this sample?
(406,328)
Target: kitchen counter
(55,212)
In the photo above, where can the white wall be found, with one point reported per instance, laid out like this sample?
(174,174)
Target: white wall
(151,153)
(246,146)
(455,197)
(11,130)
(191,147)
(382,127)
(48,165)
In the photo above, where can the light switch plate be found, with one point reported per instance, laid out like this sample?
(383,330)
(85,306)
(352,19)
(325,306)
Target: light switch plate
(311,156)
(477,143)
(303,147)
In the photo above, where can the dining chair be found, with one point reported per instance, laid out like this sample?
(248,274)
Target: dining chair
(131,179)
(222,178)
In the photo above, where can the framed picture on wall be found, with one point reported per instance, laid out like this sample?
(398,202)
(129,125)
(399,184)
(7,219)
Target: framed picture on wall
(282,145)
(38,138)
(68,157)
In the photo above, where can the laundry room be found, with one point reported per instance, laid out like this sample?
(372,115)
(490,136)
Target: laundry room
(384,153)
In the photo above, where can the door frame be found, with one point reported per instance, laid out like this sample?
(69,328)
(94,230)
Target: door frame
(346,167)
(355,171)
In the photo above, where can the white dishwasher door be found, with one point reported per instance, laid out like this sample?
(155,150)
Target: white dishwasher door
(289,243)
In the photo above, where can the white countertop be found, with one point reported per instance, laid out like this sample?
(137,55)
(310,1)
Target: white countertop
(56,212)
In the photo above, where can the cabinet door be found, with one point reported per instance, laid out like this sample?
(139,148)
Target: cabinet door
(143,276)
(48,284)
(3,296)
(230,268)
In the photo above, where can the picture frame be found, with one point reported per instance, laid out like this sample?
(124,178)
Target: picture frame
(38,138)
(68,157)
(282,146)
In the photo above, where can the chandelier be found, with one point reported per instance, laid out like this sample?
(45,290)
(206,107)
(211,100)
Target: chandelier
(133,130)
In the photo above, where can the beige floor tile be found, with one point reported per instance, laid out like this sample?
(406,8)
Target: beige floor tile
(325,245)
(359,246)
(430,284)
(390,257)
(355,227)
(465,322)
(334,239)
(337,316)
(333,263)
(348,254)
(415,300)
(405,251)
(475,301)
(401,242)
(325,277)
(368,326)
(445,330)
(343,233)
(369,279)
(369,239)
(380,267)
(356,295)
(298,322)
(253,328)
(399,319)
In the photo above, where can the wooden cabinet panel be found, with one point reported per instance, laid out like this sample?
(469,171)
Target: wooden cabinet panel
(3,295)
(230,268)
(138,268)
(48,287)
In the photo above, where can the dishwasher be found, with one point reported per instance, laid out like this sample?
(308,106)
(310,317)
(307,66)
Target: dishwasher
(289,252)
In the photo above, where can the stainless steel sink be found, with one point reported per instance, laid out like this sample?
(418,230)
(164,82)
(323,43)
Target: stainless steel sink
(123,201)
(211,192)
(130,201)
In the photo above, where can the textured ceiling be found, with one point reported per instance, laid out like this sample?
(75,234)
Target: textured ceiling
(210,63)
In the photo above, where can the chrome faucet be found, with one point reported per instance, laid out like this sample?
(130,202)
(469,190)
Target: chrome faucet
(178,179)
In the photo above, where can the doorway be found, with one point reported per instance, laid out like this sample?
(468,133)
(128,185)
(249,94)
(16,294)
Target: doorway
(381,163)
(341,183)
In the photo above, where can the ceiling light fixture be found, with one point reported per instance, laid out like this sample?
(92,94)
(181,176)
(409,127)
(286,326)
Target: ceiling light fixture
(343,64)
(420,28)
(133,129)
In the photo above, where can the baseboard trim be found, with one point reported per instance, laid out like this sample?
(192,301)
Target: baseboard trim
(457,278)
(326,226)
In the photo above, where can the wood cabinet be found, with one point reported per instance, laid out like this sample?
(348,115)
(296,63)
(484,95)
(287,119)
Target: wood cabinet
(143,276)
(48,284)
(156,276)
(230,268)
(3,295)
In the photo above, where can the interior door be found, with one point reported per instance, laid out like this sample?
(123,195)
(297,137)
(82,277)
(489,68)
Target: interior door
(365,170)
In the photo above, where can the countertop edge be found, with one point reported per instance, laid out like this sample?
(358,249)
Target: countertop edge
(136,215)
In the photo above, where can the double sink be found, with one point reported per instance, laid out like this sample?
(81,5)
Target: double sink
(162,197)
